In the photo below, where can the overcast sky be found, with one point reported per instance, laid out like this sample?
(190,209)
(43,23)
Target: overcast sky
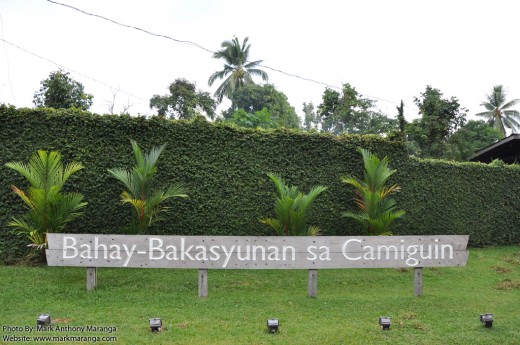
(388,50)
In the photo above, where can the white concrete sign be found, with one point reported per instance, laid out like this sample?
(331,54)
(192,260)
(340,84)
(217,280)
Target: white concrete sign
(250,252)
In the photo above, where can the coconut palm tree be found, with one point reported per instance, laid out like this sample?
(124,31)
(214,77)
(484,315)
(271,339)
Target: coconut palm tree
(291,208)
(376,210)
(237,68)
(498,110)
(140,193)
(49,209)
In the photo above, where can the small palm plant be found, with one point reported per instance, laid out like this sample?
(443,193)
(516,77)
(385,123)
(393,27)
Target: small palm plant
(49,210)
(291,208)
(372,196)
(140,192)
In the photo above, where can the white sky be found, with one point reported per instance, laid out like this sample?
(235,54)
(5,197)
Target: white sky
(386,49)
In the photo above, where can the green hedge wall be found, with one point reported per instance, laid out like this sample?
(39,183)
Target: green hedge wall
(224,170)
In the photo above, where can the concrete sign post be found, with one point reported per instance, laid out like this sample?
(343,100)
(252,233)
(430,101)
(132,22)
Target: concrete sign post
(252,252)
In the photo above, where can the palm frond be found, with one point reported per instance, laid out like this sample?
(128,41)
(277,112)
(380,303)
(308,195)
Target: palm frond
(376,209)
(291,208)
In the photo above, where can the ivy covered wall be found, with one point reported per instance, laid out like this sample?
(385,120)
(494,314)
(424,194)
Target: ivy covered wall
(224,170)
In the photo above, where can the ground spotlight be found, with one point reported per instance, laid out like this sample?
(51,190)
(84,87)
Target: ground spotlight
(384,322)
(43,320)
(155,324)
(272,325)
(487,320)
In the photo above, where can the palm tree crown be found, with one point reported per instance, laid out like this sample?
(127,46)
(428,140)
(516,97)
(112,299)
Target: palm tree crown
(498,110)
(237,68)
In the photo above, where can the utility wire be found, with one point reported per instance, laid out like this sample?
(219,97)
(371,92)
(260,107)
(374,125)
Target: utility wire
(134,27)
(196,45)
(71,70)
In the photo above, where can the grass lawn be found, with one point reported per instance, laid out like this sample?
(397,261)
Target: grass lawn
(346,311)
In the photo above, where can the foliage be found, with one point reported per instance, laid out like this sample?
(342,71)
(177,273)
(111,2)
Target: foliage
(310,119)
(49,209)
(349,112)
(184,101)
(471,137)
(253,98)
(401,119)
(258,119)
(377,210)
(498,110)
(440,118)
(291,209)
(224,168)
(237,67)
(140,192)
(61,91)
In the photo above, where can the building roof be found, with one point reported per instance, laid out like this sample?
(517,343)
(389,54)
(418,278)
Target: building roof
(507,149)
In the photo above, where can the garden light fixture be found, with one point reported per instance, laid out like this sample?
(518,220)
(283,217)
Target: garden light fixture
(155,324)
(272,325)
(43,320)
(487,320)
(384,322)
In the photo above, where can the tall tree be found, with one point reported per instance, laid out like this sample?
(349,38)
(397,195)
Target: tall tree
(471,137)
(253,98)
(498,110)
(237,67)
(440,117)
(350,112)
(184,101)
(400,118)
(310,120)
(61,91)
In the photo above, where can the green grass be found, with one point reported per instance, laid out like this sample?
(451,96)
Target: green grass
(346,310)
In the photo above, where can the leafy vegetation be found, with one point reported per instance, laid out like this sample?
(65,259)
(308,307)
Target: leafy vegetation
(140,191)
(61,91)
(49,208)
(253,98)
(346,310)
(471,137)
(377,210)
(258,119)
(440,118)
(292,209)
(349,112)
(184,101)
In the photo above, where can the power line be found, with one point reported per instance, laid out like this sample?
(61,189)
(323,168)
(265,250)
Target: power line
(185,42)
(196,45)
(300,77)
(133,27)
(70,69)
